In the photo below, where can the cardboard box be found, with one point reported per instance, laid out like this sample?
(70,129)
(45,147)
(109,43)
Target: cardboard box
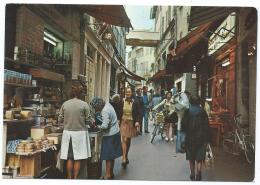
(38,132)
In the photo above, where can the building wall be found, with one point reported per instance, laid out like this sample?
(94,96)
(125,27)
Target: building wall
(246,72)
(140,60)
(30,27)
(182,22)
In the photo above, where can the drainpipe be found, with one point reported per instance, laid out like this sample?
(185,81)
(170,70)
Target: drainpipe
(82,65)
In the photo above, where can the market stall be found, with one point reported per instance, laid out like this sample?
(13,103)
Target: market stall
(33,95)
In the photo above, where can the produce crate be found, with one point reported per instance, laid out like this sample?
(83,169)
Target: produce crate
(30,165)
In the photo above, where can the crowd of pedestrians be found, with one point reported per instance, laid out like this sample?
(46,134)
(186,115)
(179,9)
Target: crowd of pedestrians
(121,119)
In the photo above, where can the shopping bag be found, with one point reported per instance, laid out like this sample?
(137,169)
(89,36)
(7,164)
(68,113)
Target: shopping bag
(209,158)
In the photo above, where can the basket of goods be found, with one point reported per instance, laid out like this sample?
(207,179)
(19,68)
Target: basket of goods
(159,117)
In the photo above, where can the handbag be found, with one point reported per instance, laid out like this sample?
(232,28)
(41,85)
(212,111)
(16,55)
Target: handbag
(209,158)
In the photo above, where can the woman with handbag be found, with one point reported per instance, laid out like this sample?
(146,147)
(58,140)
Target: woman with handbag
(111,140)
(170,117)
(195,124)
(128,127)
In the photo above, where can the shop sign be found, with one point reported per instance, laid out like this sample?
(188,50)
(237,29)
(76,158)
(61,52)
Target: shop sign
(224,33)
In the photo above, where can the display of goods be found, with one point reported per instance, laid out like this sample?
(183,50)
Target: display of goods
(26,114)
(12,145)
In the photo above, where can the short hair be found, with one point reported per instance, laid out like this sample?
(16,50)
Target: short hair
(76,88)
(195,100)
(97,103)
(187,92)
(115,98)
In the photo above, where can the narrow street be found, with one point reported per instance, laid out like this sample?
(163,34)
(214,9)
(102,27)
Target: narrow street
(71,71)
(159,162)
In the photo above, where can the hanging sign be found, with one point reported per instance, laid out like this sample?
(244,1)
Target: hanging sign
(224,33)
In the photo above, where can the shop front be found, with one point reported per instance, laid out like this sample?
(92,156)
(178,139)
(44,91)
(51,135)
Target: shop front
(41,59)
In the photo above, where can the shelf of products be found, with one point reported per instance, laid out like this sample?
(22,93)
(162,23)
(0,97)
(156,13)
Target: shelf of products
(18,85)
(41,102)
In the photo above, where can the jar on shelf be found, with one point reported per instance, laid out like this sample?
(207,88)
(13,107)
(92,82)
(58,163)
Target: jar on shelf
(23,79)
(8,77)
(12,76)
(5,75)
(19,78)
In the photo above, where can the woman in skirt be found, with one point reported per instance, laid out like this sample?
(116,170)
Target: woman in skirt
(128,128)
(111,141)
(75,145)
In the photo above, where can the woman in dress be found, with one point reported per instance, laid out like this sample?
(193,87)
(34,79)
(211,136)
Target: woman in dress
(195,124)
(75,146)
(128,126)
(111,140)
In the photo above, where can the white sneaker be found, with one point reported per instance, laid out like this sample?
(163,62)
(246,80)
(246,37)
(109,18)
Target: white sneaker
(171,139)
(166,139)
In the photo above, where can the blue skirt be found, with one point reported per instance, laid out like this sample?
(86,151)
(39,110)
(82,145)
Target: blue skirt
(111,147)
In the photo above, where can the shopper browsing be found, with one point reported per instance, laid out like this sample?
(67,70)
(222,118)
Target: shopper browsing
(111,140)
(75,146)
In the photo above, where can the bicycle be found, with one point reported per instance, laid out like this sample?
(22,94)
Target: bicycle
(158,126)
(239,140)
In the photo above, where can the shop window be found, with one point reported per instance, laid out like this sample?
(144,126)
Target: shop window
(53,45)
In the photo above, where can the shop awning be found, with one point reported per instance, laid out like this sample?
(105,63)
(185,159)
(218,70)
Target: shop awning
(110,14)
(179,61)
(191,39)
(204,14)
(131,75)
(159,75)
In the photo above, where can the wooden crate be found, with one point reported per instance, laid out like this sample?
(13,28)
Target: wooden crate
(13,160)
(30,165)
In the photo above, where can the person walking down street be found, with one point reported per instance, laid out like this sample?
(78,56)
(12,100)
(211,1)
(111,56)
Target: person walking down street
(75,146)
(138,110)
(171,117)
(146,108)
(195,124)
(111,140)
(128,126)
